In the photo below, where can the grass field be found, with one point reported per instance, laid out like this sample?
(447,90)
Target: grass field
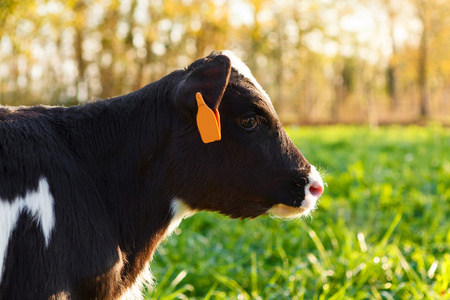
(382,229)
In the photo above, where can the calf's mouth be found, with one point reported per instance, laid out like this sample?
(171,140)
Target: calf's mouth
(301,202)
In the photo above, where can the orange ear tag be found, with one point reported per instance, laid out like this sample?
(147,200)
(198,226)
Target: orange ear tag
(208,122)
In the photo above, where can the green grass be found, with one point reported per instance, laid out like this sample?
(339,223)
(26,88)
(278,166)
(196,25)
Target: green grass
(382,230)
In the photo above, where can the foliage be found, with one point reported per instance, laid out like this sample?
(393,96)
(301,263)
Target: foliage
(319,60)
(381,230)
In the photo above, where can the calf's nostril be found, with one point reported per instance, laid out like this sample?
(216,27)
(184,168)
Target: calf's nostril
(316,189)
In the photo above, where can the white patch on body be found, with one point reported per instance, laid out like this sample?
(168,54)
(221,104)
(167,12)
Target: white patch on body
(180,211)
(309,204)
(145,278)
(241,68)
(38,203)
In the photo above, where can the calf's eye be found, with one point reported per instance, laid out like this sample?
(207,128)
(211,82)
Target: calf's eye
(249,123)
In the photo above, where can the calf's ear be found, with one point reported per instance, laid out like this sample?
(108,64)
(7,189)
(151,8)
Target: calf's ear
(210,80)
(204,88)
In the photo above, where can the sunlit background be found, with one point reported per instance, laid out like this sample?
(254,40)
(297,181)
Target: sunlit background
(381,230)
(322,61)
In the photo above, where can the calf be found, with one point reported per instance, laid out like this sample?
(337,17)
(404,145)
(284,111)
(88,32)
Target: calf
(88,192)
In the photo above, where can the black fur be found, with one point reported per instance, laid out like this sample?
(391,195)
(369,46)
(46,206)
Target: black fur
(114,167)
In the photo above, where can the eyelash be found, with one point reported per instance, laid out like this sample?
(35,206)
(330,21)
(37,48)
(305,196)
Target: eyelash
(253,120)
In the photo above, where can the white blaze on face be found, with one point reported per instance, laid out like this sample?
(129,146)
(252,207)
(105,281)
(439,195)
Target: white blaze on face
(38,203)
(313,190)
(241,68)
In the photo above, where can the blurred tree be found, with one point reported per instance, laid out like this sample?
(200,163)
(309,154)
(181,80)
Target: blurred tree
(7,8)
(422,12)
(79,8)
(319,60)
(439,57)
(391,71)
(110,51)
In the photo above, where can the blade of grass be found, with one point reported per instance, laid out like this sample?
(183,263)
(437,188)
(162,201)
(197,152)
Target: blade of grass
(322,252)
(179,293)
(232,284)
(254,277)
(163,282)
(211,290)
(390,230)
(406,267)
(375,293)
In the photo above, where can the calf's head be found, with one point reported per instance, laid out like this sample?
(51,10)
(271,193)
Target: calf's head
(254,168)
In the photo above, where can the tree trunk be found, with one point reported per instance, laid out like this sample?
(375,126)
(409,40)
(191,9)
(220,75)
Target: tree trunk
(81,84)
(391,73)
(423,60)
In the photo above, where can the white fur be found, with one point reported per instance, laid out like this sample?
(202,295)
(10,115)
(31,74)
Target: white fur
(310,201)
(179,211)
(241,68)
(38,203)
(144,278)
(308,204)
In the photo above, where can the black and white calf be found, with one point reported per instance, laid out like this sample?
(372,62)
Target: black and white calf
(88,192)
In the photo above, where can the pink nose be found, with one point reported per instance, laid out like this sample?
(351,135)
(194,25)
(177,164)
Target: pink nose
(316,189)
